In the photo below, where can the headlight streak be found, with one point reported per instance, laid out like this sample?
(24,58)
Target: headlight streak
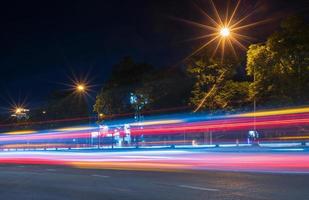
(188,124)
(280,161)
(227,125)
(21,132)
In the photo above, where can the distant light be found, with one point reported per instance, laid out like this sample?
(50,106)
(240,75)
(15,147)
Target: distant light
(94,134)
(80,87)
(224,32)
(18,110)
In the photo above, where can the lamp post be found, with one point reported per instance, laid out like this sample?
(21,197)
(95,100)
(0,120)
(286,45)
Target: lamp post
(254,101)
(256,134)
(82,88)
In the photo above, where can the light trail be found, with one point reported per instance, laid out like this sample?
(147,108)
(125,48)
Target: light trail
(276,112)
(170,160)
(168,125)
(20,132)
(227,125)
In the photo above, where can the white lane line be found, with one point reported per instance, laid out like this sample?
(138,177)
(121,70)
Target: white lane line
(51,170)
(101,176)
(22,173)
(198,188)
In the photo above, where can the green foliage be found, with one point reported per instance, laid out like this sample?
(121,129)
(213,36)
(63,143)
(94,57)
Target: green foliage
(280,67)
(214,87)
(233,95)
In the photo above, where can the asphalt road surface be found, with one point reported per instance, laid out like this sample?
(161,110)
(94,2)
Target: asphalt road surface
(44,182)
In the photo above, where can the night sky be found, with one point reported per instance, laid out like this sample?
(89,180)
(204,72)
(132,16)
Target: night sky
(43,43)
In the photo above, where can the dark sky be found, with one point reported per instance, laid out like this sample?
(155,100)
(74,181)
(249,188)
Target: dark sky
(44,42)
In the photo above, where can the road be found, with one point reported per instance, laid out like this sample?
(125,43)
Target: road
(31,182)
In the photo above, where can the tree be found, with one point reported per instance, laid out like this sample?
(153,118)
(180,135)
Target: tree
(63,104)
(233,95)
(167,88)
(127,77)
(280,66)
(215,87)
(163,88)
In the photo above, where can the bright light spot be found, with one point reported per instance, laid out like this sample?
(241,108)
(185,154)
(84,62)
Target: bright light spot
(18,110)
(80,88)
(224,32)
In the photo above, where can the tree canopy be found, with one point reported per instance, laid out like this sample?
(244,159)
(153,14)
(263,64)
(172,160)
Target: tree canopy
(280,66)
(162,88)
(215,84)
(126,77)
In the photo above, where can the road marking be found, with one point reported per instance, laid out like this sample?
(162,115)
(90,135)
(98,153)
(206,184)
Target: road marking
(101,176)
(51,170)
(21,166)
(198,188)
(30,173)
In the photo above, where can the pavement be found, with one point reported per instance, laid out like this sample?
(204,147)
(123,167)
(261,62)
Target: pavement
(43,182)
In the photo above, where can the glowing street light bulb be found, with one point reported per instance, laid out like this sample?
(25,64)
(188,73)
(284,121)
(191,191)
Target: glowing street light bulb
(18,110)
(80,88)
(224,32)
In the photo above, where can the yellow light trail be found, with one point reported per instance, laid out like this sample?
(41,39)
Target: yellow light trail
(75,128)
(276,112)
(20,132)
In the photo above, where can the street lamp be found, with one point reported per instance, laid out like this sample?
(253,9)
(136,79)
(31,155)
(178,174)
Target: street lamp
(80,88)
(18,110)
(225,32)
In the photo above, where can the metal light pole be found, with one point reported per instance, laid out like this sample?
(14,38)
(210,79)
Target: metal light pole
(254,102)
(255,134)
(82,89)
